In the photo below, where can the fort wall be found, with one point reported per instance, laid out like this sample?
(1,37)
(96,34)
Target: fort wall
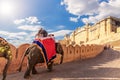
(71,53)
(100,30)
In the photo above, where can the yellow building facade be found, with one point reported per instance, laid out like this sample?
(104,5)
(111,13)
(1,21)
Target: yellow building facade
(87,33)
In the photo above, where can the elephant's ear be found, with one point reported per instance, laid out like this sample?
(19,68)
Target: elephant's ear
(21,49)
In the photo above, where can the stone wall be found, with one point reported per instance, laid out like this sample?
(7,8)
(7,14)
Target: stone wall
(71,53)
(118,30)
(77,52)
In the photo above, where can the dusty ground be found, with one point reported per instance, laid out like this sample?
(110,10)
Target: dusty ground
(105,66)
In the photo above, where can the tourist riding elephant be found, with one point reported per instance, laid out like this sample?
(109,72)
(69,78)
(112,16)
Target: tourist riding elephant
(5,52)
(35,55)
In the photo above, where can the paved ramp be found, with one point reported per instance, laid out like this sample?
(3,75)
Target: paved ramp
(105,66)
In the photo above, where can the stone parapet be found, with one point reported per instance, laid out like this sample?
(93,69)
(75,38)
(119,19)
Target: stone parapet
(71,53)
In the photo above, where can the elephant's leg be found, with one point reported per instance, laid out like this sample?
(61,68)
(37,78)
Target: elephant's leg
(6,68)
(34,71)
(50,66)
(59,50)
(32,61)
(29,68)
(61,61)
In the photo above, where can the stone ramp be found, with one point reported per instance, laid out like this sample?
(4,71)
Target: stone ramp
(106,66)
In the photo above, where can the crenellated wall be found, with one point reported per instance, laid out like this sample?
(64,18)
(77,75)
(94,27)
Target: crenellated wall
(77,52)
(71,53)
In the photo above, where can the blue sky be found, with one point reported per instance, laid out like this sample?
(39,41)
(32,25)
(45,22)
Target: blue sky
(21,19)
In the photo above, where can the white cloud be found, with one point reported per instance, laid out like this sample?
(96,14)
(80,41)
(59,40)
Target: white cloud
(23,37)
(29,20)
(50,30)
(60,27)
(10,34)
(30,27)
(90,20)
(74,19)
(29,24)
(61,33)
(20,21)
(32,20)
(4,33)
(14,38)
(91,8)
(80,7)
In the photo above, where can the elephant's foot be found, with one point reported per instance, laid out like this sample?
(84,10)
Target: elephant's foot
(3,78)
(34,72)
(27,76)
(50,66)
(19,69)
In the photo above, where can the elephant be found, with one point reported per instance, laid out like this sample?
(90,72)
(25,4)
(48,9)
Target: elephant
(34,56)
(5,52)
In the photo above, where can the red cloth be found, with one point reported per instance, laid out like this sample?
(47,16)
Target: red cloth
(49,45)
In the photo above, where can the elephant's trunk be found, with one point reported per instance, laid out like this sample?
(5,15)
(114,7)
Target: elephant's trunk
(6,67)
(23,56)
(16,56)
